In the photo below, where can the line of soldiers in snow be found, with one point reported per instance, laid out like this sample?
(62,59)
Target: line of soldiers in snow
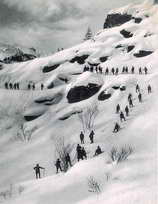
(114,71)
(81,155)
(81,152)
(130,101)
(16,86)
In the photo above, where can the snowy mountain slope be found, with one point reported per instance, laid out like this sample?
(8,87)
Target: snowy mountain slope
(49,114)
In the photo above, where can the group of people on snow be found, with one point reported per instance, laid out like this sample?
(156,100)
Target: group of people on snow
(117,127)
(113,70)
(16,86)
(91,137)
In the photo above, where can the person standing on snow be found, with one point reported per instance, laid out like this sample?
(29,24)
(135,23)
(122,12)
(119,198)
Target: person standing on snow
(82,137)
(130,103)
(79,153)
(137,88)
(118,108)
(122,117)
(98,151)
(58,165)
(140,97)
(68,160)
(149,89)
(116,128)
(127,111)
(37,169)
(91,137)
(146,70)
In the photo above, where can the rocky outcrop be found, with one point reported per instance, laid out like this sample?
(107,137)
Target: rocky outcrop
(68,115)
(47,100)
(104,96)
(50,68)
(80,93)
(103,59)
(18,58)
(126,34)
(79,59)
(143,53)
(117,19)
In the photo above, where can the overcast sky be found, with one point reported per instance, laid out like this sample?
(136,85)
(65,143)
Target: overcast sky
(49,24)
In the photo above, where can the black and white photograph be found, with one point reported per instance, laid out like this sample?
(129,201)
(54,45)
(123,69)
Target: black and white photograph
(78,102)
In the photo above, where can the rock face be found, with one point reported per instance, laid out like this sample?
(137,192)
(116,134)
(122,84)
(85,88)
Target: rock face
(47,100)
(104,96)
(103,59)
(118,19)
(18,58)
(143,53)
(79,59)
(126,34)
(80,93)
(50,68)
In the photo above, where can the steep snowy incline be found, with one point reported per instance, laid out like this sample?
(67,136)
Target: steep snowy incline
(31,121)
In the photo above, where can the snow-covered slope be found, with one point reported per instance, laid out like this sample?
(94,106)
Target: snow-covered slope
(42,116)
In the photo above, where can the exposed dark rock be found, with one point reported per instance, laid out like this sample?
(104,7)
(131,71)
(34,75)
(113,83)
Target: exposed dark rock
(67,116)
(50,86)
(50,68)
(118,46)
(116,87)
(31,117)
(126,34)
(21,57)
(47,100)
(143,53)
(80,93)
(93,64)
(116,19)
(104,96)
(63,79)
(137,20)
(103,59)
(122,88)
(130,48)
(79,59)
(1,66)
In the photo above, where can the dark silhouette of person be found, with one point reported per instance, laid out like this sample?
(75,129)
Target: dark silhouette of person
(117,71)
(91,68)
(100,69)
(126,70)
(37,169)
(6,85)
(91,137)
(140,97)
(18,85)
(130,103)
(10,86)
(116,128)
(79,153)
(84,153)
(29,86)
(129,96)
(137,88)
(113,71)
(149,89)
(82,137)
(146,70)
(33,87)
(123,70)
(127,111)
(132,70)
(42,86)
(96,69)
(140,70)
(15,86)
(68,160)
(58,165)
(118,108)
(107,71)
(98,151)
(122,117)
